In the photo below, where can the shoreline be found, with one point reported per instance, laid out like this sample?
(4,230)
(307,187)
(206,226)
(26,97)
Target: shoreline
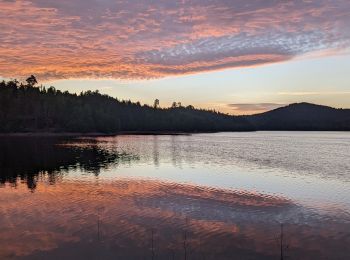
(92,134)
(174,133)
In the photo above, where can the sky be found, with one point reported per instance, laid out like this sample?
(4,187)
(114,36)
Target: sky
(238,57)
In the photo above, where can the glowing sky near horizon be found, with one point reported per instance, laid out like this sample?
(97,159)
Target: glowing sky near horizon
(273,51)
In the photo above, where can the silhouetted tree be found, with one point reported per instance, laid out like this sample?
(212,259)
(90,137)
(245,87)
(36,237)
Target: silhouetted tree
(156,103)
(31,81)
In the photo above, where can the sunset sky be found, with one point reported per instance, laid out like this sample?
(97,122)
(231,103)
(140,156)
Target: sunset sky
(235,56)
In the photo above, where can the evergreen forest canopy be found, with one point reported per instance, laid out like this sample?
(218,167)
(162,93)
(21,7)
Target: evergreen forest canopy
(24,107)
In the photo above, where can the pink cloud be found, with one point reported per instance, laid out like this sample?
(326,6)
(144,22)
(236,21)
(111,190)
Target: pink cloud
(149,39)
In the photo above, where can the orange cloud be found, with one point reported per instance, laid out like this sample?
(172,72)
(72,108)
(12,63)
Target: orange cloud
(139,39)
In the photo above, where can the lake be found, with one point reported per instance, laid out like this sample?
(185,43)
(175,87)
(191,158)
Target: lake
(256,195)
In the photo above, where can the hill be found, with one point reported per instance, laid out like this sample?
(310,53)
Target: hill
(302,117)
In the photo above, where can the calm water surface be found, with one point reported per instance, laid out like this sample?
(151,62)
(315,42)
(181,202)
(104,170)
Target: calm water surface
(202,196)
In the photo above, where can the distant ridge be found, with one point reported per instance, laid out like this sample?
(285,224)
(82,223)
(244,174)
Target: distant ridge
(302,117)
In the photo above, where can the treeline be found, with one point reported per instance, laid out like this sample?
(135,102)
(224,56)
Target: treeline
(24,107)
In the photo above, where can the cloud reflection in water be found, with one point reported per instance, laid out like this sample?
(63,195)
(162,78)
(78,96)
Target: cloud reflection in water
(73,216)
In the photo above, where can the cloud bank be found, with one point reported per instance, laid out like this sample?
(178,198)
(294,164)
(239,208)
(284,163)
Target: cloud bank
(251,108)
(150,39)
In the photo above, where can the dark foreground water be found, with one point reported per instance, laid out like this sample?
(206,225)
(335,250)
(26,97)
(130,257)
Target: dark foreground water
(203,196)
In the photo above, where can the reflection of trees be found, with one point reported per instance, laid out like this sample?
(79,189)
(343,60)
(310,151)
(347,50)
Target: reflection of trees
(28,159)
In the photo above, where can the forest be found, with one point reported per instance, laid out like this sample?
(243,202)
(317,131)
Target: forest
(28,107)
